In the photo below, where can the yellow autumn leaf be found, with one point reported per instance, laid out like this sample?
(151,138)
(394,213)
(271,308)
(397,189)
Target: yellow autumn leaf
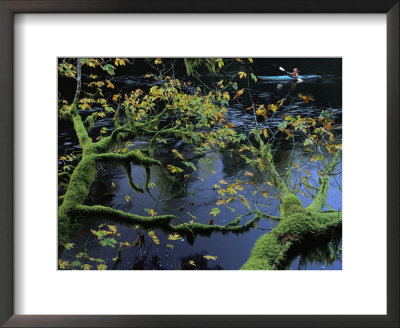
(178,154)
(110,85)
(226,95)
(174,169)
(250,60)
(242,74)
(223,182)
(210,257)
(220,202)
(158,61)
(273,107)
(264,193)
(265,133)
(115,97)
(239,60)
(306,99)
(119,62)
(127,198)
(154,237)
(174,236)
(213,171)
(113,184)
(259,112)
(191,262)
(280,102)
(238,93)
(153,212)
(113,229)
(249,174)
(87,267)
(93,76)
(63,264)
(296,166)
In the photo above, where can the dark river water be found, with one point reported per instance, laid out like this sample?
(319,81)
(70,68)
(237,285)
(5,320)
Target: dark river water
(232,250)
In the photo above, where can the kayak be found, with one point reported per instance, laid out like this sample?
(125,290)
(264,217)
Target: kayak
(289,78)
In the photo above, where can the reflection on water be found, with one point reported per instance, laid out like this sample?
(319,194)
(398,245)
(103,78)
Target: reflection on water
(198,197)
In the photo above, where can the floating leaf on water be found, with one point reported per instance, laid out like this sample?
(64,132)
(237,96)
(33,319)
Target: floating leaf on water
(265,193)
(154,237)
(210,257)
(63,264)
(69,246)
(102,267)
(215,211)
(108,242)
(174,236)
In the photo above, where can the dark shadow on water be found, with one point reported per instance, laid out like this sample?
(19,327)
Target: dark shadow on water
(322,254)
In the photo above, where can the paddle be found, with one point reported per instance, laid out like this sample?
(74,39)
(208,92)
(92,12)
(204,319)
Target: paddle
(282,69)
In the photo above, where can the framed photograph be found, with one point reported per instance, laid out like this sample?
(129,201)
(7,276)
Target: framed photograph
(203,164)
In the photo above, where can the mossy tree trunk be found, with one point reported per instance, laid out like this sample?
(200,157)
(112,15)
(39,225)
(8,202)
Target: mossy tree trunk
(297,225)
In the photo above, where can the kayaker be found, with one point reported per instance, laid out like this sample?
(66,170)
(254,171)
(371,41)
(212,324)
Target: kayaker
(295,73)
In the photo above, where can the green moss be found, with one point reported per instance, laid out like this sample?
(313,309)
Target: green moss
(84,211)
(77,191)
(269,252)
(320,199)
(90,121)
(290,204)
(127,168)
(63,178)
(297,225)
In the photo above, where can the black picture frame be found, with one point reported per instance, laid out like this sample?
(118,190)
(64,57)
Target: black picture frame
(7,202)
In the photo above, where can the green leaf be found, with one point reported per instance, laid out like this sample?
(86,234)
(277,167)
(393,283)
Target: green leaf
(253,77)
(215,211)
(109,68)
(307,142)
(69,246)
(102,267)
(108,242)
(282,125)
(87,267)
(191,165)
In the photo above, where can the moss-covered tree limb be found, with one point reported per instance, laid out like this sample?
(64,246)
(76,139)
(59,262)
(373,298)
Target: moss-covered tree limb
(90,121)
(189,230)
(121,216)
(320,199)
(127,168)
(297,225)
